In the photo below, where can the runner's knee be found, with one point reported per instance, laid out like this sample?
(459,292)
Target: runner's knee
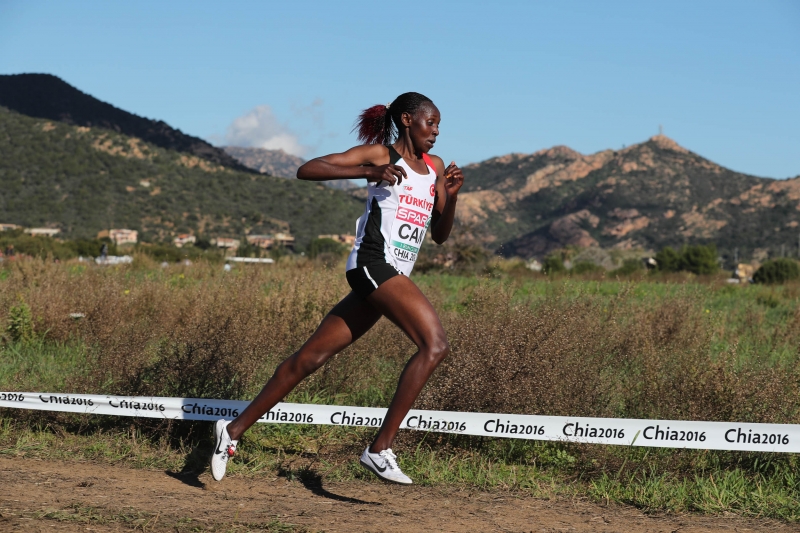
(437,349)
(306,363)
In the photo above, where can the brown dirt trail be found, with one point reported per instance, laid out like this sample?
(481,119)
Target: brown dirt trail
(47,496)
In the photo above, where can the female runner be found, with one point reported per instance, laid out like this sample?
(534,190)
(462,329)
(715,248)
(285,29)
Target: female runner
(409,190)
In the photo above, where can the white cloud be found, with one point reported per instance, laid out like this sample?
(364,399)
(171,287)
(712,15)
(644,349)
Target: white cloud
(260,128)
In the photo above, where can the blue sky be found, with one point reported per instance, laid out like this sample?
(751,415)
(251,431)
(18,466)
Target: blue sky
(722,77)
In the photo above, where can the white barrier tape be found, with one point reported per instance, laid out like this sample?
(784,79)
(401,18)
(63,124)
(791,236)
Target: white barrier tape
(619,431)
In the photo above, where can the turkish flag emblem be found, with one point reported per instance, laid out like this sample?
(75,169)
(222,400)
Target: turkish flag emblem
(433,190)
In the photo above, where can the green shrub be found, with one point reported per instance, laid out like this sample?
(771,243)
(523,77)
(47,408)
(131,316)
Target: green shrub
(668,260)
(202,243)
(91,248)
(172,254)
(163,252)
(699,259)
(20,322)
(586,267)
(553,264)
(777,271)
(629,267)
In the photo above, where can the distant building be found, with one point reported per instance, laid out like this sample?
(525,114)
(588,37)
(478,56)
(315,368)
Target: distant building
(184,238)
(8,227)
(224,242)
(119,236)
(43,232)
(285,240)
(123,236)
(349,240)
(262,241)
(270,241)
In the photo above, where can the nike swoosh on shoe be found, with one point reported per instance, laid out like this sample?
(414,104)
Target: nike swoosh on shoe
(376,466)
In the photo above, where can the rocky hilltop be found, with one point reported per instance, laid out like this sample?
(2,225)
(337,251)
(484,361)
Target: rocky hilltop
(648,195)
(49,97)
(272,162)
(278,163)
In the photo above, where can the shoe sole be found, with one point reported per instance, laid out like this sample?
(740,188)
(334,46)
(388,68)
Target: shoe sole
(366,465)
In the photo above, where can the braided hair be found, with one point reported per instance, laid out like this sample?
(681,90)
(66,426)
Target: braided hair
(380,124)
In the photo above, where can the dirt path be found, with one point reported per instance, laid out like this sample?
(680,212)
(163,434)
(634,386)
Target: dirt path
(46,496)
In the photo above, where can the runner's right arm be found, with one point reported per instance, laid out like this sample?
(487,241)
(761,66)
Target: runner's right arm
(369,161)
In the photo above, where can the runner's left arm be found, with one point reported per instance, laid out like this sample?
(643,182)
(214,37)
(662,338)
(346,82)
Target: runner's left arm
(448,182)
(369,161)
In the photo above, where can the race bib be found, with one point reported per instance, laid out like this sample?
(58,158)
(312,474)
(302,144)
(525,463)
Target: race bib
(410,224)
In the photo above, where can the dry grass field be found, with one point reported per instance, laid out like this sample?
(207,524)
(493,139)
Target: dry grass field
(656,347)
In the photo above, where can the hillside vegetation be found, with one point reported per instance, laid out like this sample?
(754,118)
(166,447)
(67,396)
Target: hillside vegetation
(50,97)
(84,180)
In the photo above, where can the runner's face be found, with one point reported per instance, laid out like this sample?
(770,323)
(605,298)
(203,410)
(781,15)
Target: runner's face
(424,127)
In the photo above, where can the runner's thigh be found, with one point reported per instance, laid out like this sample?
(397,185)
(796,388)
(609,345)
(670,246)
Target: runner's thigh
(343,325)
(401,301)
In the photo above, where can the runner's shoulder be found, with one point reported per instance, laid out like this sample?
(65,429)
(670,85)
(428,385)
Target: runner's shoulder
(438,164)
(376,154)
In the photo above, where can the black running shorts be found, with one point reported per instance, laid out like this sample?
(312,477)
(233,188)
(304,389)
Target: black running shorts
(363,280)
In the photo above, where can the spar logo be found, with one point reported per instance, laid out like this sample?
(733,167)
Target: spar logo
(415,217)
(65,400)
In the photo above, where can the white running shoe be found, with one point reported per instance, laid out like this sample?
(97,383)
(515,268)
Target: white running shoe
(384,465)
(224,448)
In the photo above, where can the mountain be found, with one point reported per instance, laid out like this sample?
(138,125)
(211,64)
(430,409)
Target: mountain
(71,161)
(648,195)
(47,96)
(86,179)
(272,162)
(278,163)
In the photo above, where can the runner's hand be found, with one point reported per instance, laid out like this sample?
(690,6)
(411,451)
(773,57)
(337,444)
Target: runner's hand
(393,174)
(453,179)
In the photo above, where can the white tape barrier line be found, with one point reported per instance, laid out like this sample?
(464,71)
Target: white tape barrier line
(619,431)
